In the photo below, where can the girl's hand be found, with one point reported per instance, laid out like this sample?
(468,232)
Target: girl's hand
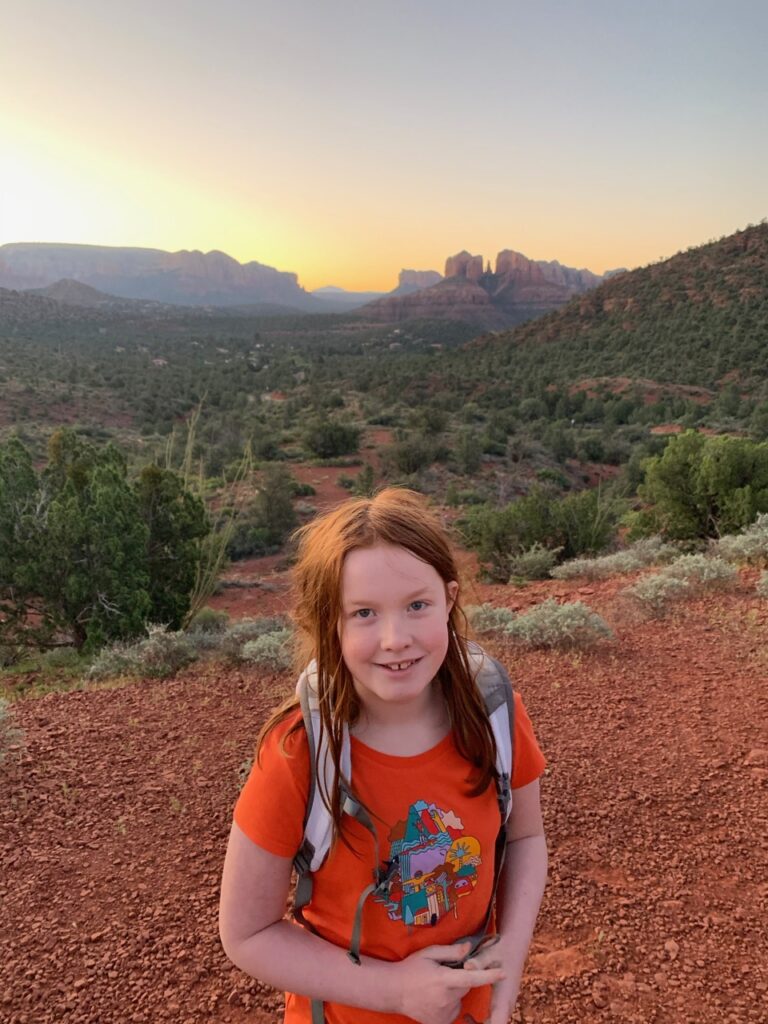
(505,992)
(431,993)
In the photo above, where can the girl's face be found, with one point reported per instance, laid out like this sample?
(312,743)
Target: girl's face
(394,626)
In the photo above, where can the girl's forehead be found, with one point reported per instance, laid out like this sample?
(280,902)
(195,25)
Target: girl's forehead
(386,564)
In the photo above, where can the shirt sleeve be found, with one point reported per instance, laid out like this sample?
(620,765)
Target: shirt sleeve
(271,806)
(529,762)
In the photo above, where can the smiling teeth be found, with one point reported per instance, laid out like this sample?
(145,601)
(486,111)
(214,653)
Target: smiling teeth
(400,665)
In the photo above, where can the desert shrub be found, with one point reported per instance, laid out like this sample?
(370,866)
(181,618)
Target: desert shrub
(747,548)
(248,630)
(9,733)
(117,659)
(61,657)
(272,651)
(535,563)
(701,571)
(647,551)
(578,523)
(655,592)
(484,618)
(160,655)
(762,585)
(559,625)
(164,652)
(209,620)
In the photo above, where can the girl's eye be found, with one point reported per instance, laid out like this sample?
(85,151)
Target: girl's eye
(363,613)
(418,605)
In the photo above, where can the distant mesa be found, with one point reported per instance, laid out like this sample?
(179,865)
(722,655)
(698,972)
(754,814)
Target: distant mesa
(189,278)
(415,280)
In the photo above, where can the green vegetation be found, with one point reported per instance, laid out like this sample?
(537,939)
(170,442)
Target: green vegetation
(88,555)
(485,618)
(573,525)
(646,551)
(703,487)
(9,733)
(550,624)
(687,576)
(750,547)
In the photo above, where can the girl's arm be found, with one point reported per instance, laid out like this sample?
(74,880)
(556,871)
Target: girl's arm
(255,937)
(520,891)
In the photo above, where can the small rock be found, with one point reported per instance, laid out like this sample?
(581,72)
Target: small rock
(757,757)
(672,949)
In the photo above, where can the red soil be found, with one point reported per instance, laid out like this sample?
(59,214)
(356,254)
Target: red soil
(115,818)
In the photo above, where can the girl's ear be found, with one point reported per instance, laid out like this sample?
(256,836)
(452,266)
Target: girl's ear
(451,593)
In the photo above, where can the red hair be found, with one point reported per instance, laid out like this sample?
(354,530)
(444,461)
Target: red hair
(401,518)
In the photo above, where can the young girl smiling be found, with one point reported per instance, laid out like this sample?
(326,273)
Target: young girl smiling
(378,612)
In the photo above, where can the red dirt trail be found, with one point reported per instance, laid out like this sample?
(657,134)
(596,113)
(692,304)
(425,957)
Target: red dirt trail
(114,819)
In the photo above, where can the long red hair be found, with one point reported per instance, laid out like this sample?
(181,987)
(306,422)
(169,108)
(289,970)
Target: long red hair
(398,517)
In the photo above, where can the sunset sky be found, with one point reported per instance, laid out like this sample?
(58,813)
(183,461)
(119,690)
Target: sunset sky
(345,140)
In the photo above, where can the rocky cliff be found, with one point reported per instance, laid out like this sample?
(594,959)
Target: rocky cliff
(188,278)
(518,290)
(415,280)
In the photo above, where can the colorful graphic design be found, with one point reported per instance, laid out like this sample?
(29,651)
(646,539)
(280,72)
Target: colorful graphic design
(436,864)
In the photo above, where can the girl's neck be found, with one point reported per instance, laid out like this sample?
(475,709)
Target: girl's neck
(404,732)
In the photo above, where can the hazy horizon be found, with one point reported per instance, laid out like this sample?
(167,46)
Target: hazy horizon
(343,143)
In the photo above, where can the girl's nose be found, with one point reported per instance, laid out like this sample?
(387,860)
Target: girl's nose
(395,635)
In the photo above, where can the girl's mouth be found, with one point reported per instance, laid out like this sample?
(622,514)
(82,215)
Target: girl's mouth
(396,667)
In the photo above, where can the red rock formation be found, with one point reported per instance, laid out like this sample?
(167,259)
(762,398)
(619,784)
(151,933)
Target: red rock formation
(463,264)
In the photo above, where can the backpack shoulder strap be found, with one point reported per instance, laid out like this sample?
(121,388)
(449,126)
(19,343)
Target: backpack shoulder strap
(499,698)
(318,824)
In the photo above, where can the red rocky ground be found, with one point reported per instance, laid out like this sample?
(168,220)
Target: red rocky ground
(114,819)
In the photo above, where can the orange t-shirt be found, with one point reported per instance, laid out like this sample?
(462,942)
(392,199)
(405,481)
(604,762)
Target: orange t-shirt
(444,840)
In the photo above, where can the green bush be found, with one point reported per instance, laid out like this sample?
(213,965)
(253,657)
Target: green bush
(485,618)
(535,563)
(559,625)
(750,547)
(247,630)
(577,523)
(272,651)
(209,620)
(703,487)
(329,438)
(654,593)
(160,655)
(762,585)
(9,733)
(646,551)
(701,571)
(164,653)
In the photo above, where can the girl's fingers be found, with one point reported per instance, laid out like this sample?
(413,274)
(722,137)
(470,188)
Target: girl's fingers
(478,977)
(485,958)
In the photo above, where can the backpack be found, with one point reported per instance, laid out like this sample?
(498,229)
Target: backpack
(498,697)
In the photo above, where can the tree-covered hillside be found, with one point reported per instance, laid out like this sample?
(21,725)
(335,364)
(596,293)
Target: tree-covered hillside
(693,319)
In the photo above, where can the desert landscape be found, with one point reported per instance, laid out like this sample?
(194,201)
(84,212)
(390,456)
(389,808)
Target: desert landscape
(116,811)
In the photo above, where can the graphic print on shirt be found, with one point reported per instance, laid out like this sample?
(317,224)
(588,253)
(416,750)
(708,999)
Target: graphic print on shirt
(436,865)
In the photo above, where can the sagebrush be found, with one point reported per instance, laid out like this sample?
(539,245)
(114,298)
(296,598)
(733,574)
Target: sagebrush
(750,547)
(272,651)
(485,618)
(559,625)
(10,734)
(644,552)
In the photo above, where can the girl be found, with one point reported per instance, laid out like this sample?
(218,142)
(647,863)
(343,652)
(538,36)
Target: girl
(378,609)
